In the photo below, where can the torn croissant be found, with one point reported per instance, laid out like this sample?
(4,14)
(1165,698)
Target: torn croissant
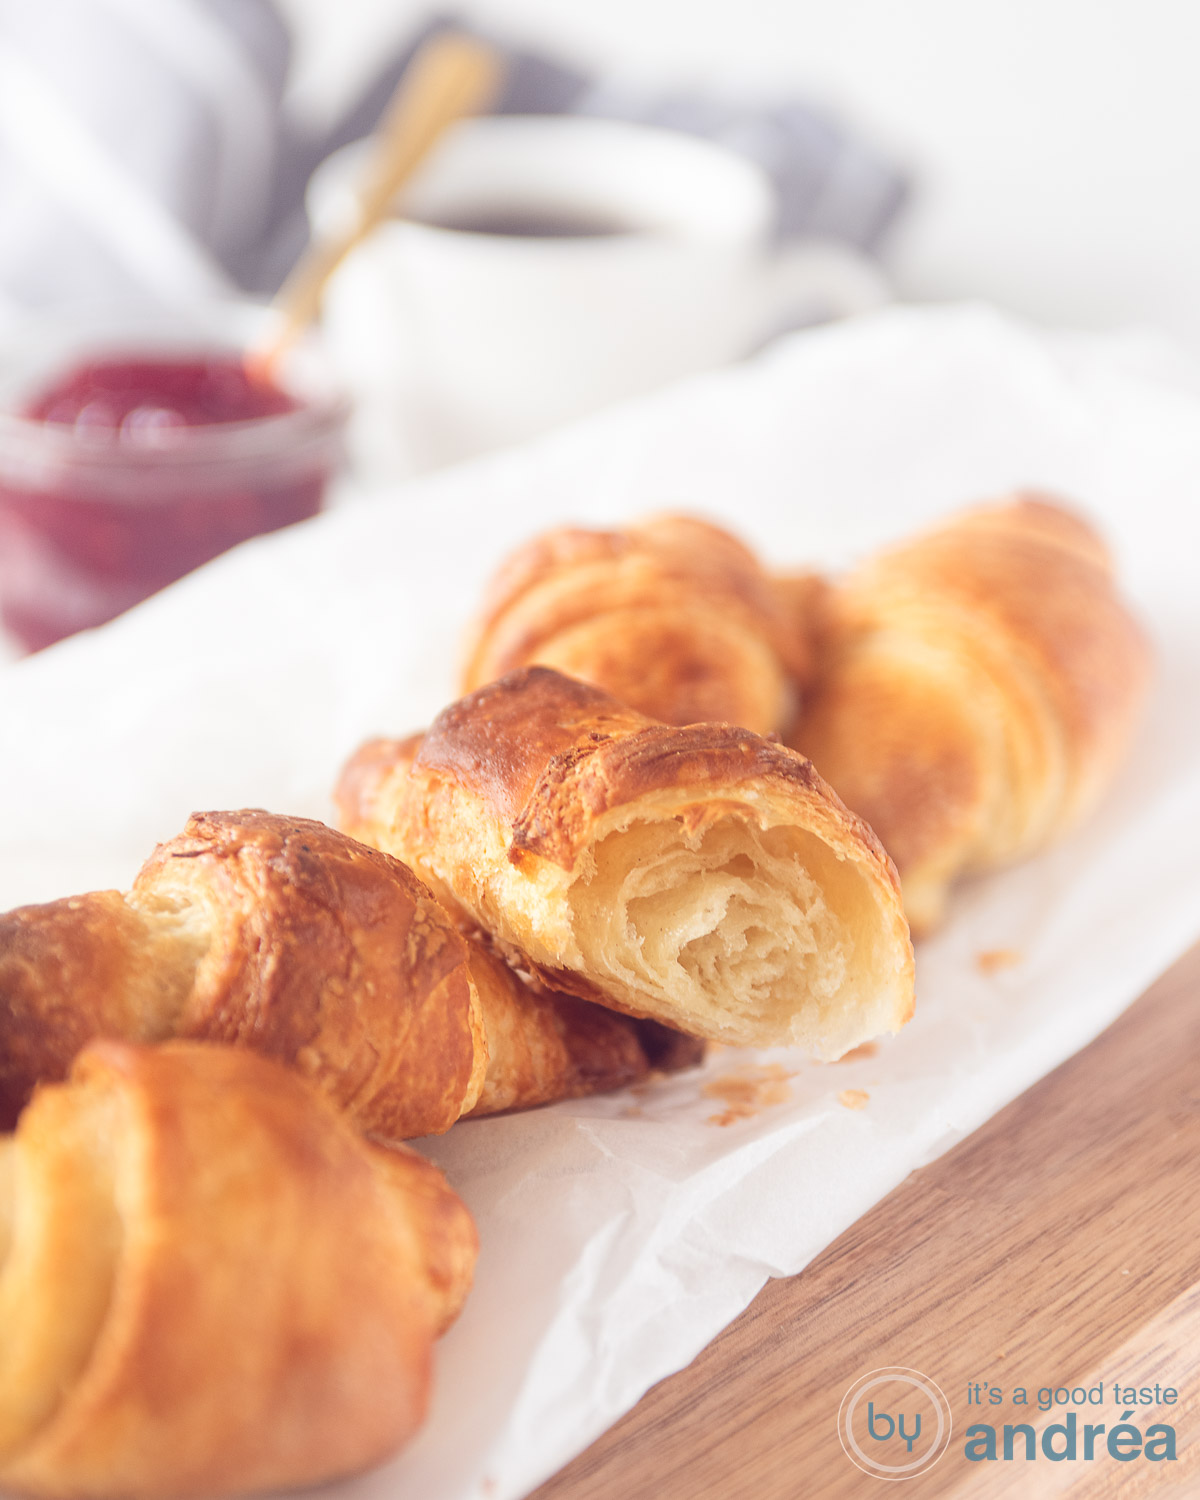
(209,1283)
(286,936)
(702,875)
(673,616)
(978,688)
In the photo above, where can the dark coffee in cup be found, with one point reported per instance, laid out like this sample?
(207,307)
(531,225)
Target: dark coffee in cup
(530,223)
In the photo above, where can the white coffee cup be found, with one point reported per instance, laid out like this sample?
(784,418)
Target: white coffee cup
(459,339)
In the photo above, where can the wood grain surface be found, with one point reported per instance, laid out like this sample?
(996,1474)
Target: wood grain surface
(1059,1245)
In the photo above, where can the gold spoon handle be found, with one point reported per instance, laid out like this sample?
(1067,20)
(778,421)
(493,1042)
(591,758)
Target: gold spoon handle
(451,76)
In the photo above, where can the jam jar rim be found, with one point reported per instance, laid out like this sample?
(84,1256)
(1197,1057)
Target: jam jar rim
(43,456)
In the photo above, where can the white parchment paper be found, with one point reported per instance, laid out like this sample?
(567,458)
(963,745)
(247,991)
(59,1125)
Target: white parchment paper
(620,1234)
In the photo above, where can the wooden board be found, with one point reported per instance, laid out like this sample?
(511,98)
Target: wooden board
(1057,1246)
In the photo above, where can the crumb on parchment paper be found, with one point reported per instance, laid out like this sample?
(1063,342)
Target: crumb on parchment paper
(992,960)
(853,1098)
(649,1083)
(747,1090)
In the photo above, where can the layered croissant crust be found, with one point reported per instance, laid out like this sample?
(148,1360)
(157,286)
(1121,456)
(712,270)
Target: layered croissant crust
(702,876)
(977,690)
(285,936)
(210,1283)
(673,616)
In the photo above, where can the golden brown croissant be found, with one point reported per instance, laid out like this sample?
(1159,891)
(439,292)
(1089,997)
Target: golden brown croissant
(978,689)
(673,616)
(703,876)
(286,936)
(210,1283)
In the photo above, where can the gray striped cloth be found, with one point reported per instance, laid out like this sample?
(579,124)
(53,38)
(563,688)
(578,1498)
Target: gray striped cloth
(145,151)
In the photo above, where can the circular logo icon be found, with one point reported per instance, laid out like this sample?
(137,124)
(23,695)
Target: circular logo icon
(894,1423)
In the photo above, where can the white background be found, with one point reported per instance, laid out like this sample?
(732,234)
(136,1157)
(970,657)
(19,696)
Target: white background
(1057,142)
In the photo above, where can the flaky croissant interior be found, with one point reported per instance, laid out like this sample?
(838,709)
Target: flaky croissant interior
(60,1235)
(732,925)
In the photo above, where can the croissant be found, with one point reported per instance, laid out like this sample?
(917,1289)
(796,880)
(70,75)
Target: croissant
(978,689)
(209,1283)
(286,936)
(673,616)
(703,876)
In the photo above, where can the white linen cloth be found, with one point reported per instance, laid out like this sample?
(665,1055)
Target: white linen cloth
(620,1234)
(140,142)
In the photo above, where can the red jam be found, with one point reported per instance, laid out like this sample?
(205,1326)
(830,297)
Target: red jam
(143,477)
(140,400)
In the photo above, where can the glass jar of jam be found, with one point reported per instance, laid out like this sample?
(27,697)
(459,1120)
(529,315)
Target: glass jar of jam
(134,446)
